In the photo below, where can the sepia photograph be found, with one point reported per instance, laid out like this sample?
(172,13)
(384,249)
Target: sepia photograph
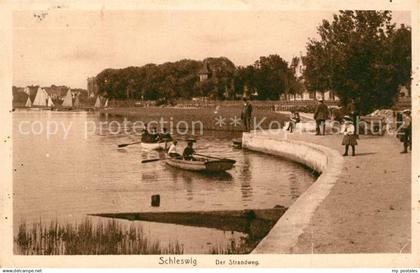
(230,133)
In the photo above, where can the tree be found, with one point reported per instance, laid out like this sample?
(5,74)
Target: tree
(271,77)
(360,54)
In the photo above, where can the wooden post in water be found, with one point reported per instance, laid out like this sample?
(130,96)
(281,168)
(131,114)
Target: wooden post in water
(155,200)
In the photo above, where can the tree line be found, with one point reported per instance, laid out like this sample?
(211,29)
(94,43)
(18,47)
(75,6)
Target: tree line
(359,54)
(267,78)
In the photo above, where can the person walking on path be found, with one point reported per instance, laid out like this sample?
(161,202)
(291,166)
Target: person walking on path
(406,127)
(349,138)
(320,116)
(246,115)
(354,114)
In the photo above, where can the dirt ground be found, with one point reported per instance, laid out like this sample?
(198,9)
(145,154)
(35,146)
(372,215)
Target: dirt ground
(369,208)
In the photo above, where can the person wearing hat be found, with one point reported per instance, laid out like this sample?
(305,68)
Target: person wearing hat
(246,114)
(349,138)
(172,152)
(406,128)
(189,151)
(164,135)
(320,116)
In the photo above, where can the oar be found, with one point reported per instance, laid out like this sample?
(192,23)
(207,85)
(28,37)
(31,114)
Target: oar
(152,160)
(214,157)
(126,144)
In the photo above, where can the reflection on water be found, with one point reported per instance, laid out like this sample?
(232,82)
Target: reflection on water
(67,177)
(246,177)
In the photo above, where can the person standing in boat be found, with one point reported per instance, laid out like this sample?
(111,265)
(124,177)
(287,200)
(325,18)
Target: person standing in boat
(172,152)
(246,114)
(189,150)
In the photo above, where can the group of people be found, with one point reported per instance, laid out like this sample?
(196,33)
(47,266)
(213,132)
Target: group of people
(348,129)
(153,136)
(188,153)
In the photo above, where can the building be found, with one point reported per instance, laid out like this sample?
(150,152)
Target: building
(204,72)
(306,95)
(92,87)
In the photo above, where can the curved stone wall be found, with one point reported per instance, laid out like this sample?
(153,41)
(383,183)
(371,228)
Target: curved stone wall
(284,235)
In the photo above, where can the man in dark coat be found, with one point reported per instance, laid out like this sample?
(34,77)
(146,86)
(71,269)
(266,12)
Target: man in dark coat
(320,116)
(246,114)
(189,150)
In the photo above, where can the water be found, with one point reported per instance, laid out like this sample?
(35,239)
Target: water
(65,178)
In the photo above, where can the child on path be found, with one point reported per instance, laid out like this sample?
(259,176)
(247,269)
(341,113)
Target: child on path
(349,138)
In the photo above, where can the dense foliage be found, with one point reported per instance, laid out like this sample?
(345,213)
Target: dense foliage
(268,78)
(360,54)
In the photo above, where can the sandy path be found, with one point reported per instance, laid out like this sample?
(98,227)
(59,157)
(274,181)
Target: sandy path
(368,210)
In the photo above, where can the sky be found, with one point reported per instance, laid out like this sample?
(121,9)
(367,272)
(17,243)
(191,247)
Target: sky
(64,47)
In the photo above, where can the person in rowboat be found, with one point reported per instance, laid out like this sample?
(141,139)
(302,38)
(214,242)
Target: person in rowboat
(154,135)
(172,152)
(164,136)
(189,151)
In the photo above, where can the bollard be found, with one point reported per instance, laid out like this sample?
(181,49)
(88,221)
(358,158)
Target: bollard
(155,200)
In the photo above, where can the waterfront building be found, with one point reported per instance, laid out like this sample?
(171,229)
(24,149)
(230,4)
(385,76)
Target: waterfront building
(204,73)
(92,87)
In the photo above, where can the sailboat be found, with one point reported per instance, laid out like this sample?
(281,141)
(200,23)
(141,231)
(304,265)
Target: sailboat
(41,98)
(50,102)
(106,103)
(98,102)
(68,100)
(28,102)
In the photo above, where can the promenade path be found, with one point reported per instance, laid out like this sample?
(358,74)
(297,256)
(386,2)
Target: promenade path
(369,208)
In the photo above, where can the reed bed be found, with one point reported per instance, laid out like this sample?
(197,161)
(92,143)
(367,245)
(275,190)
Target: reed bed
(87,238)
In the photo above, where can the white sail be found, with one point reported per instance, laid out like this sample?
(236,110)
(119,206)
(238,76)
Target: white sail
(68,100)
(41,98)
(50,102)
(28,102)
(106,103)
(98,102)
(27,90)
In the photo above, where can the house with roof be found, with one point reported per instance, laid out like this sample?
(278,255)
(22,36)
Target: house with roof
(204,72)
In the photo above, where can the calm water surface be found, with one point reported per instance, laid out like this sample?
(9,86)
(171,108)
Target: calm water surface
(65,178)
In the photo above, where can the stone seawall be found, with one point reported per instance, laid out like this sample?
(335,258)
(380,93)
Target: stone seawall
(284,235)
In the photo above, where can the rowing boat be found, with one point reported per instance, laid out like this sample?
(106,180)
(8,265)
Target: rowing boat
(155,145)
(202,165)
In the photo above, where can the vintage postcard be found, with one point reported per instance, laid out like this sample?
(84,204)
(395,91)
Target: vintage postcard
(197,134)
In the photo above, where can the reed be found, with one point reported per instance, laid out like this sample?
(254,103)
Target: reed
(87,238)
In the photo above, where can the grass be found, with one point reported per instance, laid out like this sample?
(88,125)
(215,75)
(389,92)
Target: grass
(207,116)
(233,248)
(87,238)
